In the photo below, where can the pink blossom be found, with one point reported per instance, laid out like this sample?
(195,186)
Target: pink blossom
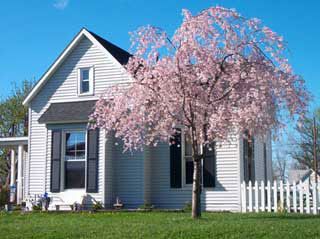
(220,73)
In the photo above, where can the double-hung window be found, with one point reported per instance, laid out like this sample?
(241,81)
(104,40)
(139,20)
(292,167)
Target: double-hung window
(181,162)
(85,81)
(74,159)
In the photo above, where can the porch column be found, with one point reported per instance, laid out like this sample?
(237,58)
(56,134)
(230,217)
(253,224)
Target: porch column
(20,170)
(12,175)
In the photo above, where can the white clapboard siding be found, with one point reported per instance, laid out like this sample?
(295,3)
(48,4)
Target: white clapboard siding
(128,176)
(224,197)
(62,87)
(280,197)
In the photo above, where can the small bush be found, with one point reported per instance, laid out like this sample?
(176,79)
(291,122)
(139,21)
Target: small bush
(187,207)
(146,206)
(17,208)
(36,207)
(97,206)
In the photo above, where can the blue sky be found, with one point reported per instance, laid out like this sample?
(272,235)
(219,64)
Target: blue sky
(34,32)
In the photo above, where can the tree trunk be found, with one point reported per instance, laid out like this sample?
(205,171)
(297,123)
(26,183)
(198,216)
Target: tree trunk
(196,188)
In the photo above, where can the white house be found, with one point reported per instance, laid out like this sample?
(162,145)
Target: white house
(67,160)
(306,176)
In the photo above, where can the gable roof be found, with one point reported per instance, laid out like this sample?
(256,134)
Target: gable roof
(119,56)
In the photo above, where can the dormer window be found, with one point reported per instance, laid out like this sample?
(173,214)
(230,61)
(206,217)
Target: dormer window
(85,81)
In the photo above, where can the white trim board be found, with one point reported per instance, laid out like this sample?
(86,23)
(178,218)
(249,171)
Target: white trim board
(11,141)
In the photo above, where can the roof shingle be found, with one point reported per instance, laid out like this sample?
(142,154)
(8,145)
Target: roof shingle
(68,112)
(121,55)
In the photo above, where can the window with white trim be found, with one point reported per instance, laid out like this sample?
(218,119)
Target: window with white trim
(85,81)
(181,162)
(74,159)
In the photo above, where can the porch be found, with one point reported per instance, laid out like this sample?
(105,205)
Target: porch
(18,155)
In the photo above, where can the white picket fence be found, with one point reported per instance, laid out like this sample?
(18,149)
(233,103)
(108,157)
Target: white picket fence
(280,197)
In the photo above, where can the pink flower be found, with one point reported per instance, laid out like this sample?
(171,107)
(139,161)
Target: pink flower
(218,74)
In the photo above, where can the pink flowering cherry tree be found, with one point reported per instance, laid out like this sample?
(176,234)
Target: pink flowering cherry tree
(219,74)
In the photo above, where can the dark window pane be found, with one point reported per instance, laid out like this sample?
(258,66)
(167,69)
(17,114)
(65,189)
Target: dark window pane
(75,146)
(85,86)
(85,74)
(189,172)
(74,174)
(81,145)
(70,142)
(71,147)
(80,154)
(70,153)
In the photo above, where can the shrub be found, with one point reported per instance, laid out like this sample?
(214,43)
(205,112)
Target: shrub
(37,207)
(17,208)
(97,206)
(187,207)
(146,206)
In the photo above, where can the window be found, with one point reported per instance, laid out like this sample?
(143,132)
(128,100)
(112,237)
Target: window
(85,81)
(181,162)
(74,159)
(188,162)
(248,158)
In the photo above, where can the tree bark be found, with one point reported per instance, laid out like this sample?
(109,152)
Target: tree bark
(196,188)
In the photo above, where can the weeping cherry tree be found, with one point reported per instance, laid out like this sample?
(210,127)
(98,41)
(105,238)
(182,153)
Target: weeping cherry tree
(219,74)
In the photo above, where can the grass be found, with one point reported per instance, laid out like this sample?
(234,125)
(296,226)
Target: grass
(157,225)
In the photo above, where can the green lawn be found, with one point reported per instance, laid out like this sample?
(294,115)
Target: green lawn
(157,225)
